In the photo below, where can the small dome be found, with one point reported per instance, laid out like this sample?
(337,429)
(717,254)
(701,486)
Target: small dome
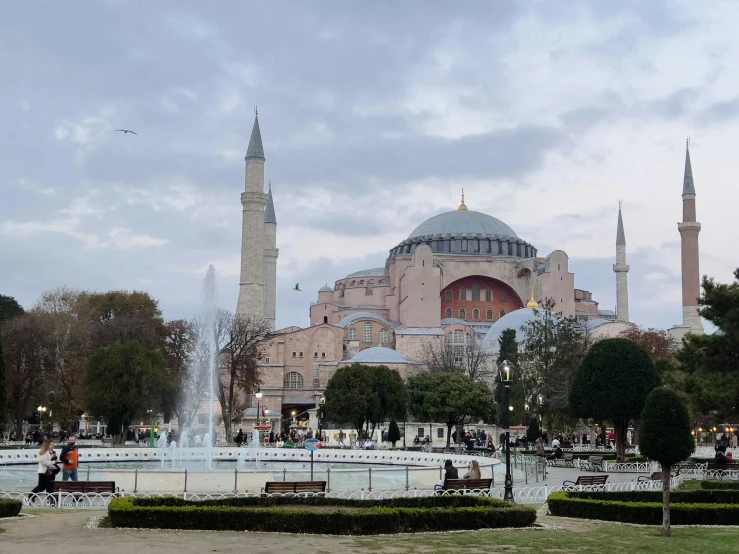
(374,272)
(379,355)
(325,288)
(515,320)
(463,223)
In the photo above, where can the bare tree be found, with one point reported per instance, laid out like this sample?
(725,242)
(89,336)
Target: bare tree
(24,340)
(240,340)
(469,358)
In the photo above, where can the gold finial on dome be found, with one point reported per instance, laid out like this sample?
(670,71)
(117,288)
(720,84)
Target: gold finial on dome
(532,303)
(462,206)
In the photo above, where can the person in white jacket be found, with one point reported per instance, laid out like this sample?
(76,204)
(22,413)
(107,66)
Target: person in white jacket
(47,468)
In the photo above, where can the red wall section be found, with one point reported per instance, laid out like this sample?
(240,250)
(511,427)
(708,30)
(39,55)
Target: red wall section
(512,301)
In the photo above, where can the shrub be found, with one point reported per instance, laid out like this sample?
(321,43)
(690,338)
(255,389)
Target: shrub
(572,504)
(363,518)
(720,485)
(10,508)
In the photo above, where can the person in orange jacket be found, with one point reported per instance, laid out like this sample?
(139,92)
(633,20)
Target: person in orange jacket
(70,460)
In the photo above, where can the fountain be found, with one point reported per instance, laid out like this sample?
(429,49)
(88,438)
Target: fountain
(254,447)
(211,333)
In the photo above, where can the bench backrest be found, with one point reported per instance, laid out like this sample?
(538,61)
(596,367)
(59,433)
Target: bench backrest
(84,486)
(295,486)
(595,459)
(568,457)
(592,480)
(468,484)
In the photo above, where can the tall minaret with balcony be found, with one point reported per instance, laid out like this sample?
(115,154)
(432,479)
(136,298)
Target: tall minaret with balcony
(621,269)
(689,229)
(270,260)
(253,200)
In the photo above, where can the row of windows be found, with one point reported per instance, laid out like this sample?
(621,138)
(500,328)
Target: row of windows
(367,334)
(294,380)
(475,246)
(449,295)
(297,354)
(475,314)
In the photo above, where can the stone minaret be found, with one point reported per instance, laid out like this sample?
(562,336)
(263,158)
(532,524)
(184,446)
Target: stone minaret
(253,200)
(621,269)
(270,260)
(689,229)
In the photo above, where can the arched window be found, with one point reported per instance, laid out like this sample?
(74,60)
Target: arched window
(502,313)
(383,336)
(503,297)
(475,292)
(489,315)
(464,245)
(462,313)
(293,380)
(352,334)
(463,293)
(475,314)
(325,319)
(449,296)
(448,312)
(367,336)
(488,295)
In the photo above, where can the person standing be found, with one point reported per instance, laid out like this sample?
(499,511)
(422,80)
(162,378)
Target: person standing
(70,459)
(47,468)
(239,438)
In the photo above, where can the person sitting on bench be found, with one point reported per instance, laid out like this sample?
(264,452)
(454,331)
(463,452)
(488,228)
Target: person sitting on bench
(556,455)
(450,472)
(473,472)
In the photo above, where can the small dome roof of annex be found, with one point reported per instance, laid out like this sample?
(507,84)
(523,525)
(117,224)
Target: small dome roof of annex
(515,320)
(379,355)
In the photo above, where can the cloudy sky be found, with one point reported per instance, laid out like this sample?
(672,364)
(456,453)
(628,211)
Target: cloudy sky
(374,115)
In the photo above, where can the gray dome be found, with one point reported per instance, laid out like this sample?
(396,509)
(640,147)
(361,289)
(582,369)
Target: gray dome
(374,272)
(463,223)
(325,288)
(379,355)
(515,320)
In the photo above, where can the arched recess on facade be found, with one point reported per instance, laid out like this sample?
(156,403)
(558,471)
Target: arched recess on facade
(476,298)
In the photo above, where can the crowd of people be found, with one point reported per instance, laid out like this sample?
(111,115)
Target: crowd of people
(50,465)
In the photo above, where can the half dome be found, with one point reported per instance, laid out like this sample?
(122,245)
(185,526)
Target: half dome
(515,320)
(379,355)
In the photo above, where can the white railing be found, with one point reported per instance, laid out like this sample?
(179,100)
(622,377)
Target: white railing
(630,467)
(710,452)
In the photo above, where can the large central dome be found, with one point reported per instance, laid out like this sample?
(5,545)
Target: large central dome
(463,223)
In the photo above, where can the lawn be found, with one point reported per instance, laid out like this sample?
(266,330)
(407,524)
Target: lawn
(585,537)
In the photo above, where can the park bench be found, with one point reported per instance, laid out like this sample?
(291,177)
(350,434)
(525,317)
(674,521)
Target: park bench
(85,487)
(294,487)
(587,480)
(593,463)
(567,460)
(462,485)
(656,476)
(725,467)
(687,466)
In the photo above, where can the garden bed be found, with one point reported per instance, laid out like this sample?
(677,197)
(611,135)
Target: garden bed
(321,515)
(691,507)
(10,508)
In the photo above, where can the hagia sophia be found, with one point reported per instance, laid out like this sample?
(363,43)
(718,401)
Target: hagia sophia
(460,276)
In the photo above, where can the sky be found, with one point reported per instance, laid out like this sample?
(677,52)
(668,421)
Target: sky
(374,115)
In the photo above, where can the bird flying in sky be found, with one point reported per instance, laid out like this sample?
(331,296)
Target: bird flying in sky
(297,287)
(125,131)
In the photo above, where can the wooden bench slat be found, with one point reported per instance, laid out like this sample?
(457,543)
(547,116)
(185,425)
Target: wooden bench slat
(467,484)
(586,480)
(84,486)
(294,486)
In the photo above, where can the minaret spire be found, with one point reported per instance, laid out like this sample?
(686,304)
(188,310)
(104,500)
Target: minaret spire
(253,202)
(689,229)
(270,260)
(621,269)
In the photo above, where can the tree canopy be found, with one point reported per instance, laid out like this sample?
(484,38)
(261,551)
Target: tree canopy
(9,308)
(450,398)
(612,383)
(365,396)
(711,361)
(125,380)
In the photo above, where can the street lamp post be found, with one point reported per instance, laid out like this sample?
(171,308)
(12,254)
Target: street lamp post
(259,412)
(506,371)
(322,403)
(41,412)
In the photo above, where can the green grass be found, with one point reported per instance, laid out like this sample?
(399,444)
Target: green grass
(595,538)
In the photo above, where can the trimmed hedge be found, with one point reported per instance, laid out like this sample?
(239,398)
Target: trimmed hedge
(720,485)
(644,511)
(676,496)
(10,508)
(401,515)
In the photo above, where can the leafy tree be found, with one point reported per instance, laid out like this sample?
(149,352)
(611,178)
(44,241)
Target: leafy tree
(24,340)
(532,431)
(612,383)
(393,432)
(450,398)
(711,361)
(665,437)
(508,350)
(9,308)
(124,380)
(365,396)
(657,342)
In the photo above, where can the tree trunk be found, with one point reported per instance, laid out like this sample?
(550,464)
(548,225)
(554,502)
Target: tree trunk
(620,429)
(666,532)
(449,434)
